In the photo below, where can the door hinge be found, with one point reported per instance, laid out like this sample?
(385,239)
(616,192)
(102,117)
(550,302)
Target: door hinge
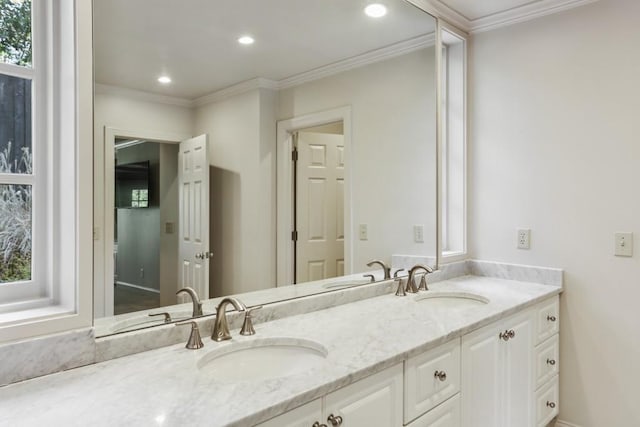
(294,236)
(294,155)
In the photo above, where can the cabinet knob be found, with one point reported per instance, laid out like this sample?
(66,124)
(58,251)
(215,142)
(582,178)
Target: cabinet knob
(551,362)
(551,318)
(511,333)
(551,404)
(335,420)
(504,335)
(317,424)
(441,375)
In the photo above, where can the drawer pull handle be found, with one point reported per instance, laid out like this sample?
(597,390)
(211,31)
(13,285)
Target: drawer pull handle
(441,375)
(551,362)
(317,424)
(551,404)
(335,420)
(551,318)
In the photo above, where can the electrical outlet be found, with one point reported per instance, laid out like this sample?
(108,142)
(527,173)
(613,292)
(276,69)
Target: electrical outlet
(168,227)
(524,238)
(364,232)
(142,273)
(624,244)
(418,233)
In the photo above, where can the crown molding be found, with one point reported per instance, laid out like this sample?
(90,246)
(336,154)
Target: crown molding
(235,90)
(440,10)
(524,13)
(371,57)
(139,95)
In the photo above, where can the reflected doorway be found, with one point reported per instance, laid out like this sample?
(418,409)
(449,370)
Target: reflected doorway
(318,175)
(145,223)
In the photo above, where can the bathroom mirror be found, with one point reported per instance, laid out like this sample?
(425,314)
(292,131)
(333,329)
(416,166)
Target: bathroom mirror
(258,146)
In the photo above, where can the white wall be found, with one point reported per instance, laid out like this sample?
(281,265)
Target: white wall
(393,136)
(242,139)
(555,146)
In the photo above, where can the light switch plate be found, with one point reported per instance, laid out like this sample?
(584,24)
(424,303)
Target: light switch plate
(624,244)
(418,233)
(364,232)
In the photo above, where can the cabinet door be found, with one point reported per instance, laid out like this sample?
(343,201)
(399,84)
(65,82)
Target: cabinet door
(302,416)
(373,401)
(519,371)
(446,414)
(482,375)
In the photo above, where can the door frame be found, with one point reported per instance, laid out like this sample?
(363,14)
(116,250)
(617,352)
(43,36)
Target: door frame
(284,187)
(104,220)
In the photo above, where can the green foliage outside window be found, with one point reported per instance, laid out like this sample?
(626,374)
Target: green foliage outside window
(15,32)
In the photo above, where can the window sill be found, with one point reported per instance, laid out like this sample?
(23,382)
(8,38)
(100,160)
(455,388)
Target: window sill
(31,311)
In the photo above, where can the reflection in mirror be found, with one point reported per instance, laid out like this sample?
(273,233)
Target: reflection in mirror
(453,117)
(234,210)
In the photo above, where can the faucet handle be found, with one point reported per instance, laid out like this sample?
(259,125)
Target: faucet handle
(247,326)
(400,292)
(167,316)
(395,275)
(423,282)
(195,341)
(371,277)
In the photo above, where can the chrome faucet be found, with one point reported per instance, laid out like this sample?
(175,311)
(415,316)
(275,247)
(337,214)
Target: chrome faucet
(221,326)
(411,283)
(197,305)
(387,270)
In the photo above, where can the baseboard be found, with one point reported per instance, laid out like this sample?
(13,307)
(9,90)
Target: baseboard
(560,423)
(142,288)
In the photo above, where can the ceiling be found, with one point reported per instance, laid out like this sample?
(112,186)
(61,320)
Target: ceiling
(195,41)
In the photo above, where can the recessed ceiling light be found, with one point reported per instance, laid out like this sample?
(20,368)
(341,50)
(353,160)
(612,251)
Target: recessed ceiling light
(376,10)
(165,80)
(246,40)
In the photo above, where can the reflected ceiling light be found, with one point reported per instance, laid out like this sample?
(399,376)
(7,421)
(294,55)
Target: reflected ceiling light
(246,40)
(375,10)
(165,80)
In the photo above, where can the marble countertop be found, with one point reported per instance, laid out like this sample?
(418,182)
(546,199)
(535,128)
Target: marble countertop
(164,387)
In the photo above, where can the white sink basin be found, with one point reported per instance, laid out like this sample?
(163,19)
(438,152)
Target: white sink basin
(263,359)
(451,300)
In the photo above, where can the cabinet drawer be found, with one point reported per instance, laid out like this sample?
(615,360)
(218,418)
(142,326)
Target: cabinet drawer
(547,319)
(547,360)
(547,403)
(431,378)
(446,414)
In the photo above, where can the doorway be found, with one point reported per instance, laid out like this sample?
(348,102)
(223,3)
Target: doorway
(291,253)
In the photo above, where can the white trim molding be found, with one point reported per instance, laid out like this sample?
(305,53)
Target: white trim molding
(142,96)
(526,12)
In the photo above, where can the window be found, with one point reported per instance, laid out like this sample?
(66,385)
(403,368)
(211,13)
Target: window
(45,149)
(139,198)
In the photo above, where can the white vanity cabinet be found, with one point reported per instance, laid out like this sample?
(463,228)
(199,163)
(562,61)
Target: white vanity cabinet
(372,401)
(509,375)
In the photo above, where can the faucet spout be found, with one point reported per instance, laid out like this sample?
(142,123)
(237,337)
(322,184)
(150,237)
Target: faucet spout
(411,283)
(385,268)
(221,326)
(197,305)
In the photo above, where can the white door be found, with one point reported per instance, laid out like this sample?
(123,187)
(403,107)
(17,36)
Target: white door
(320,206)
(193,174)
(373,401)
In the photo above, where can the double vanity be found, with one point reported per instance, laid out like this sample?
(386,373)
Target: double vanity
(471,351)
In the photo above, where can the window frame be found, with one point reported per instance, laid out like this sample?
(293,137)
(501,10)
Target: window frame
(62,136)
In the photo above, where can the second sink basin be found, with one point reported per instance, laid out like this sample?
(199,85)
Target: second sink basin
(263,359)
(451,300)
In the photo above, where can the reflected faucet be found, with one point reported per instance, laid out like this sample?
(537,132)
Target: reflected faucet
(197,305)
(387,270)
(221,326)
(411,283)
